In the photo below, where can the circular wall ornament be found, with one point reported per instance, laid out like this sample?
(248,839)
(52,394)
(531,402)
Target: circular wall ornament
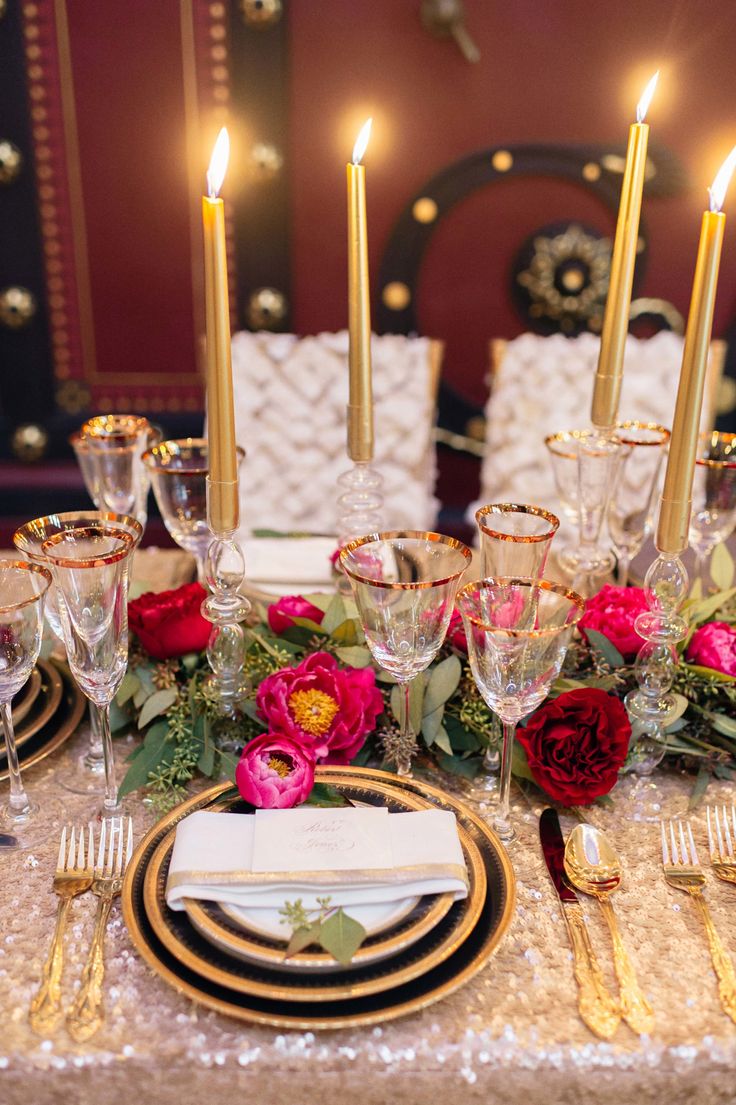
(11,160)
(561,278)
(266,309)
(17,307)
(29,441)
(261,14)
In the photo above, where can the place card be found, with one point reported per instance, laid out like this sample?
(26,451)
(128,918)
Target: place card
(316,839)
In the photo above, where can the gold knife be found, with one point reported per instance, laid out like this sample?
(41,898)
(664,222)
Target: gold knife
(596,1005)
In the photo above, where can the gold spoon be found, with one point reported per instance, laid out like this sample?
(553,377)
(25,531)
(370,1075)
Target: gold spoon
(592,865)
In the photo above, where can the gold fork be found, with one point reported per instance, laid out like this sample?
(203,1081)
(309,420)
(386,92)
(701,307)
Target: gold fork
(87,1013)
(73,876)
(722,858)
(683,871)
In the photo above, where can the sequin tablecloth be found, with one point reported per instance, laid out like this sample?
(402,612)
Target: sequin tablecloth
(510,1035)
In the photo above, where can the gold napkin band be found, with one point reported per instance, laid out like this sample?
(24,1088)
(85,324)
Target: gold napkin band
(355,877)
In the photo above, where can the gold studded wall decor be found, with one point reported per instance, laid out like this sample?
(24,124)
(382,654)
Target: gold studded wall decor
(17,307)
(29,441)
(11,160)
(266,309)
(261,14)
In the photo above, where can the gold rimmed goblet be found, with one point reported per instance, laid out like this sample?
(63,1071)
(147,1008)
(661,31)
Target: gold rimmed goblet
(23,586)
(90,570)
(515,539)
(404,584)
(87,776)
(632,504)
(111,451)
(518,631)
(713,515)
(178,472)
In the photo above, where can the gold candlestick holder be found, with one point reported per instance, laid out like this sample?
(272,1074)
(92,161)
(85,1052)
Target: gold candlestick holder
(651,705)
(225,608)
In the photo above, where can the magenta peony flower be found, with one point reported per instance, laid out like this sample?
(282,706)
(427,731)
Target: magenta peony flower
(613,612)
(274,773)
(326,710)
(456,632)
(714,646)
(281,613)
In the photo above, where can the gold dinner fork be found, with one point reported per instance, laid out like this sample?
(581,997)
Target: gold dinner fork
(722,858)
(683,871)
(73,876)
(115,849)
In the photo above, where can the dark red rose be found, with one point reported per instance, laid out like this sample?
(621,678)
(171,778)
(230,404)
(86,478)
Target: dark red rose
(576,744)
(282,613)
(170,623)
(613,612)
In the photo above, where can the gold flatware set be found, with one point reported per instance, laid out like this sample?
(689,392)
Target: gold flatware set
(78,870)
(588,862)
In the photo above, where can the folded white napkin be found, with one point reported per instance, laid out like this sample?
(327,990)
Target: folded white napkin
(288,559)
(225,857)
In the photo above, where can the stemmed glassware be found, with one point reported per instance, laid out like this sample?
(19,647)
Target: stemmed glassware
(178,472)
(515,539)
(23,586)
(404,584)
(518,631)
(109,449)
(90,569)
(88,774)
(633,501)
(713,515)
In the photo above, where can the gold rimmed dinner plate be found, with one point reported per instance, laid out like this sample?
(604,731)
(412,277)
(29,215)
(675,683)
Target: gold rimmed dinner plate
(399,963)
(415,994)
(58,728)
(26,696)
(45,705)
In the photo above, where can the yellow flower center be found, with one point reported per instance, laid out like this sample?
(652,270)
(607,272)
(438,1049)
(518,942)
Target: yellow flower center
(278,764)
(313,711)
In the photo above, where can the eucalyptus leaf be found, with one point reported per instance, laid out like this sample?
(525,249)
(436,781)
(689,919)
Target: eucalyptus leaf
(416,700)
(701,785)
(119,718)
(335,614)
(468,769)
(345,633)
(723,724)
(706,608)
(722,567)
(710,673)
(206,761)
(341,936)
(354,655)
(130,684)
(565,683)
(519,763)
(601,644)
(325,796)
(385,676)
(156,750)
(308,623)
(302,937)
(462,739)
(444,679)
(158,703)
(443,741)
(320,599)
(431,725)
(679,708)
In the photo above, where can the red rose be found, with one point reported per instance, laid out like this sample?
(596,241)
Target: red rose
(613,612)
(327,710)
(576,744)
(282,613)
(170,623)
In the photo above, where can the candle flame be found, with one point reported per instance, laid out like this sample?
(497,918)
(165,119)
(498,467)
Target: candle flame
(218,164)
(646,98)
(361,142)
(717,190)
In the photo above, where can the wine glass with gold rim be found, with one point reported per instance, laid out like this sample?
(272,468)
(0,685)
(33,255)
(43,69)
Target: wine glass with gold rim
(515,539)
(713,515)
(404,584)
(632,504)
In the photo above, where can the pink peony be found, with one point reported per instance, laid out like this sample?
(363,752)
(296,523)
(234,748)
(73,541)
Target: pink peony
(613,612)
(282,613)
(326,710)
(274,773)
(714,646)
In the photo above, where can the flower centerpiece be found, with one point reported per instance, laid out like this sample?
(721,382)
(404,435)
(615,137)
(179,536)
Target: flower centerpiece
(318,697)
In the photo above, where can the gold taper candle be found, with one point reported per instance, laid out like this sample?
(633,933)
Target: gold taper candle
(674,514)
(609,373)
(360,402)
(222,456)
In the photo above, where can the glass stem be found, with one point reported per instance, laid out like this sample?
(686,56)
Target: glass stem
(201,575)
(403,759)
(110,802)
(623,569)
(94,758)
(501,822)
(18,801)
(702,569)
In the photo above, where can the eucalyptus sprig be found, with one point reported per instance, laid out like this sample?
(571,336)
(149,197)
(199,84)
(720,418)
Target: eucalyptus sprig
(328,927)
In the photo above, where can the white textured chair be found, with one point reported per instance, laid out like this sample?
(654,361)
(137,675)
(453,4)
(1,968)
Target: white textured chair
(290,416)
(540,385)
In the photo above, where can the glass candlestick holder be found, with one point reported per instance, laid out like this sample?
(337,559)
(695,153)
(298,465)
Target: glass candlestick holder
(651,705)
(226,609)
(359,509)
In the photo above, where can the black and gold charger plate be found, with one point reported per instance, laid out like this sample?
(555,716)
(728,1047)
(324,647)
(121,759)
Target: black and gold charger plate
(175,931)
(26,696)
(59,725)
(409,996)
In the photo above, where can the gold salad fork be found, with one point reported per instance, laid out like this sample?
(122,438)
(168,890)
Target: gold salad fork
(115,849)
(722,858)
(73,876)
(683,871)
